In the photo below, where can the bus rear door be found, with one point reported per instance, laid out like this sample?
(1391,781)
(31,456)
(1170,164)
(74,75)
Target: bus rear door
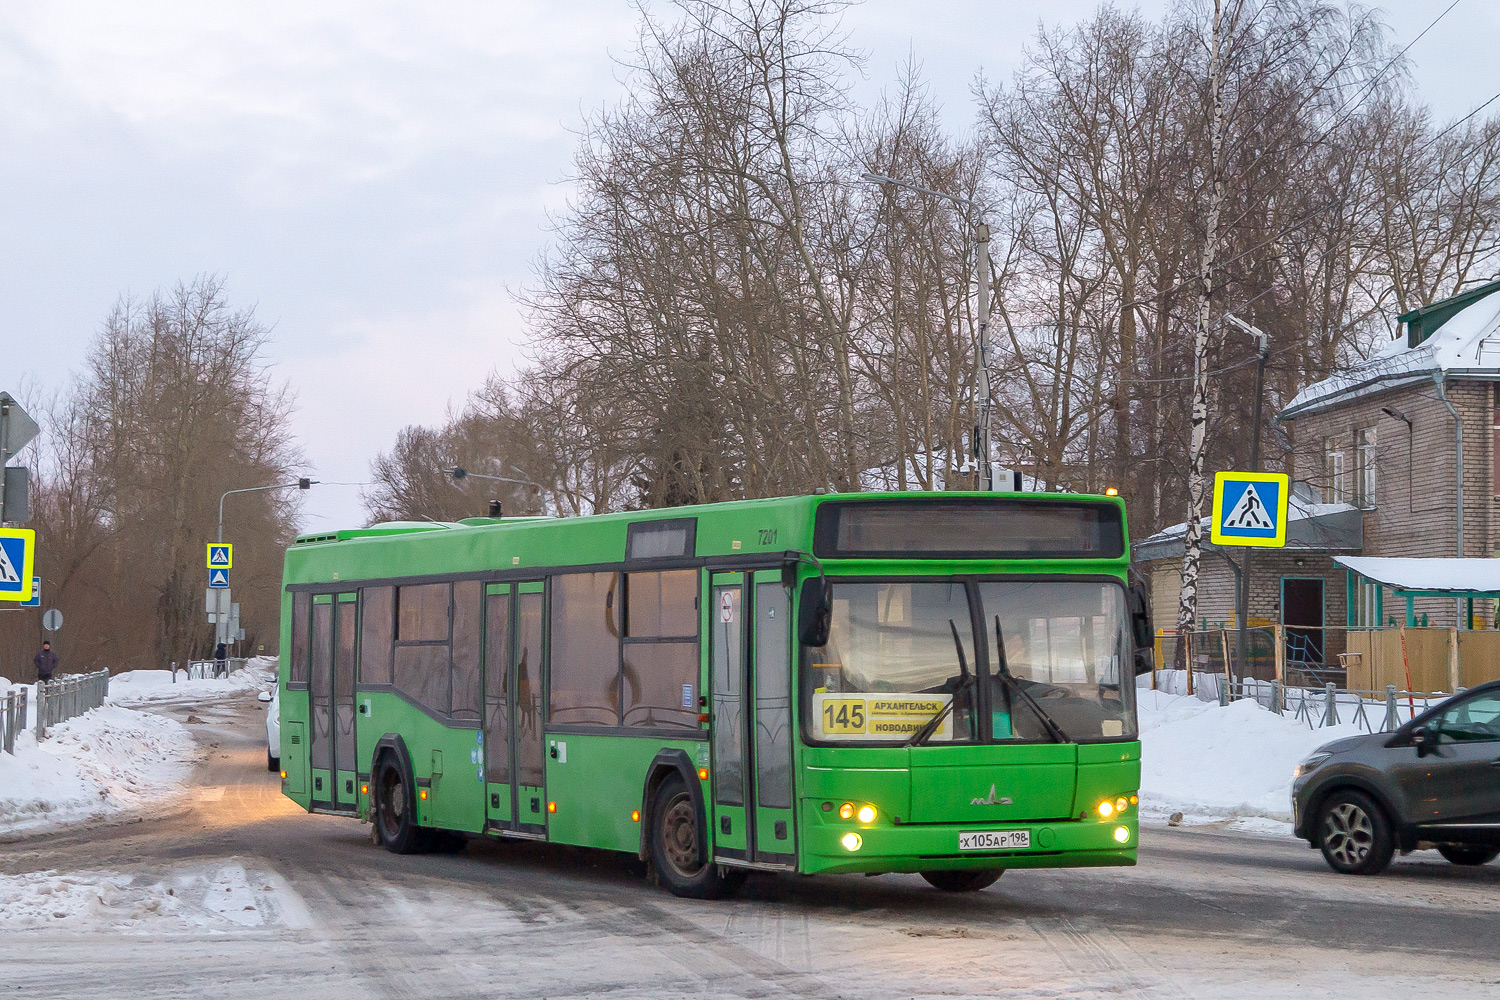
(515,774)
(331,688)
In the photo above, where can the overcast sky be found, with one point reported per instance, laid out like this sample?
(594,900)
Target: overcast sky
(375,177)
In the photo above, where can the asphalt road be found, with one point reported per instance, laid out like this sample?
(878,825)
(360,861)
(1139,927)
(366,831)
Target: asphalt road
(326,914)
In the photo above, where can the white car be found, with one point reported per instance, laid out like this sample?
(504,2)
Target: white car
(273,728)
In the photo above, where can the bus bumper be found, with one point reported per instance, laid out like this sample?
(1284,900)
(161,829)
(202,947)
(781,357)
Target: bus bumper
(934,846)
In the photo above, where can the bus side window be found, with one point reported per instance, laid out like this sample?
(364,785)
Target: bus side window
(421,663)
(466,608)
(584,682)
(660,668)
(375,635)
(301,623)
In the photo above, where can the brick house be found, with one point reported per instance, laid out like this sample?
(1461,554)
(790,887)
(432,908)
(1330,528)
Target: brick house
(1377,455)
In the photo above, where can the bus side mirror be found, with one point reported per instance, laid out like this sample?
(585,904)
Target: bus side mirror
(1143,636)
(815,611)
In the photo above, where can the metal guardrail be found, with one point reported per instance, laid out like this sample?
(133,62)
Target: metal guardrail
(67,697)
(1332,706)
(199,670)
(12,719)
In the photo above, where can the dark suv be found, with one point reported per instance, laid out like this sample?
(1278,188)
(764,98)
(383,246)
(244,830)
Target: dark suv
(1435,782)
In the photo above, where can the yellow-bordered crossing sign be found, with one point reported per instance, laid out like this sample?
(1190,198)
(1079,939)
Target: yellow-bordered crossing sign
(1250,508)
(17,563)
(220,555)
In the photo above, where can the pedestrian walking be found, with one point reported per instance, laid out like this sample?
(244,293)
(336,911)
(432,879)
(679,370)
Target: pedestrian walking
(45,662)
(221,653)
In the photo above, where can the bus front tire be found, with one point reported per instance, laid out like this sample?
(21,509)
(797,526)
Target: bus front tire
(963,881)
(675,853)
(394,820)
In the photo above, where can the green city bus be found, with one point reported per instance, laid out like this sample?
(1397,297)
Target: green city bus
(939,683)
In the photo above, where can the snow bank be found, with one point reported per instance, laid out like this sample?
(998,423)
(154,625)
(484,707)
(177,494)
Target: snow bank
(146,687)
(108,762)
(1217,764)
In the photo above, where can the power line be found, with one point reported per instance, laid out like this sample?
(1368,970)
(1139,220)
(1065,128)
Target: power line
(1466,117)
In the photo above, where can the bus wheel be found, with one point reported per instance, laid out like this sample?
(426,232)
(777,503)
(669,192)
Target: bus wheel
(1469,854)
(393,814)
(674,847)
(964,881)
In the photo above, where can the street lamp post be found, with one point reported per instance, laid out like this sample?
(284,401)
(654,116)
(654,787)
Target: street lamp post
(1263,348)
(982,436)
(301,484)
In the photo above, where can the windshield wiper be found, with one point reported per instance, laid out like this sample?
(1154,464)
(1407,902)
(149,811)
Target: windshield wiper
(1053,729)
(925,733)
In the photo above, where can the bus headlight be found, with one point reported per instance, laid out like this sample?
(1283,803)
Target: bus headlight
(1122,834)
(852,841)
(1106,809)
(846,811)
(866,814)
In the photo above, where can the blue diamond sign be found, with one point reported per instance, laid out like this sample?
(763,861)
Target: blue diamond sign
(1250,508)
(17,563)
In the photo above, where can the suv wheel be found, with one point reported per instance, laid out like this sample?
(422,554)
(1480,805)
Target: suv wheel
(1354,834)
(1469,854)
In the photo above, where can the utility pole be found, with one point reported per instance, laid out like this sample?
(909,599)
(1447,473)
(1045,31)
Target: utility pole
(981,443)
(1263,348)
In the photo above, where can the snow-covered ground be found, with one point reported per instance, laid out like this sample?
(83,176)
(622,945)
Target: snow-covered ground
(215,898)
(114,760)
(1229,765)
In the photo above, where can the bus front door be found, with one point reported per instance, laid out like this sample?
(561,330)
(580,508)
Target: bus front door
(750,646)
(513,762)
(332,749)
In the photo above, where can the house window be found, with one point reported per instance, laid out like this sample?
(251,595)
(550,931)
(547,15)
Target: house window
(1367,604)
(1335,471)
(1364,473)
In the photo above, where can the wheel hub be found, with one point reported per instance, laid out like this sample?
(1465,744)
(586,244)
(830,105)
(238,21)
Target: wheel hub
(1348,833)
(679,827)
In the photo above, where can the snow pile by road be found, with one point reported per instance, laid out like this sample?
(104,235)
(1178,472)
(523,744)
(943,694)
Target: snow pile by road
(217,898)
(1217,764)
(152,687)
(105,763)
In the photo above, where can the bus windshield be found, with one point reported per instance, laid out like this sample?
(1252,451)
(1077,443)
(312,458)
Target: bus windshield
(899,651)
(1065,645)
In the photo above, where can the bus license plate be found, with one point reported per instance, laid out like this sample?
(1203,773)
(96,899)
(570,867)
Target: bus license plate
(994,840)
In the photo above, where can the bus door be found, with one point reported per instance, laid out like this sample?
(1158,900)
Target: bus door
(331,686)
(513,751)
(750,644)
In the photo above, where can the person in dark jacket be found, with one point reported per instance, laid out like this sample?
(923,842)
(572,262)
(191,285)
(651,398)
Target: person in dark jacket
(45,662)
(221,653)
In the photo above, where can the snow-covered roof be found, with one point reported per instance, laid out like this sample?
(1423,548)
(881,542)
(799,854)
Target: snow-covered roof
(1478,576)
(1467,345)
(1310,525)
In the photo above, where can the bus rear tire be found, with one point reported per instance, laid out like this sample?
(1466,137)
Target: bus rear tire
(963,881)
(675,853)
(394,822)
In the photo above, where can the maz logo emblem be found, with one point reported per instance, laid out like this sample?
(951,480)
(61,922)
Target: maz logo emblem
(991,801)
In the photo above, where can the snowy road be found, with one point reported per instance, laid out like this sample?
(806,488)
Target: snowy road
(242,896)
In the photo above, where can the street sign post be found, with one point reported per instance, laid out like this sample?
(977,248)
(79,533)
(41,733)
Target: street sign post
(1250,508)
(17,563)
(52,619)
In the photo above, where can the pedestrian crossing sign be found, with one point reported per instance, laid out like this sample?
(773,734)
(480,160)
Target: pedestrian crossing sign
(220,555)
(17,563)
(1250,508)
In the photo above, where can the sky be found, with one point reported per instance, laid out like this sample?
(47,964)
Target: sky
(377,178)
